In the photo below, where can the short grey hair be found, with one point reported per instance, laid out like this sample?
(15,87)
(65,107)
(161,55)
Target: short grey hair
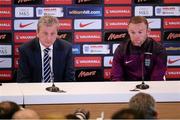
(47,21)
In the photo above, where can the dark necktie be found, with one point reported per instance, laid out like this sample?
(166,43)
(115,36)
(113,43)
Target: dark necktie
(47,67)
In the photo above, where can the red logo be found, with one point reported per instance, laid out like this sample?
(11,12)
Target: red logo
(88,61)
(107,74)
(171,23)
(84,25)
(5,25)
(58,2)
(117,1)
(115,23)
(6,12)
(25,25)
(65,24)
(173,73)
(117,11)
(171,1)
(156,35)
(87,37)
(21,37)
(5,2)
(5,75)
(16,63)
(172,61)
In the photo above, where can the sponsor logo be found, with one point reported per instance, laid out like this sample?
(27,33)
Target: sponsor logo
(172,48)
(108,61)
(84,11)
(173,60)
(117,11)
(147,1)
(16,62)
(58,2)
(5,24)
(115,23)
(96,49)
(143,10)
(5,62)
(154,23)
(5,2)
(156,35)
(52,11)
(115,36)
(88,75)
(25,24)
(114,47)
(27,2)
(81,37)
(87,61)
(171,1)
(167,11)
(107,74)
(76,49)
(24,12)
(171,23)
(88,1)
(5,50)
(5,37)
(65,36)
(21,37)
(16,49)
(172,35)
(117,2)
(5,74)
(88,24)
(5,12)
(65,24)
(173,73)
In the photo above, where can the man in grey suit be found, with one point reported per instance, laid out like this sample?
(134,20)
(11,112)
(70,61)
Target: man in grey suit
(34,62)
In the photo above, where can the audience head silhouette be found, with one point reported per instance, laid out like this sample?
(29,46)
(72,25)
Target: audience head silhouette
(7,109)
(144,103)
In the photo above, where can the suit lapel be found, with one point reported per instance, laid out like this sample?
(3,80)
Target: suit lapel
(38,60)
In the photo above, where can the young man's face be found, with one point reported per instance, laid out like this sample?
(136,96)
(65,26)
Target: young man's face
(47,35)
(138,33)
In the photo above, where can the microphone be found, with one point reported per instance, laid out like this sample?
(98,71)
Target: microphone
(146,61)
(53,88)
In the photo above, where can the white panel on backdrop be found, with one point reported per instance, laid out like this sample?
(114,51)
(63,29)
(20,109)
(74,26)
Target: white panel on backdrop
(154,23)
(173,60)
(108,61)
(53,11)
(25,24)
(5,49)
(87,24)
(143,11)
(5,62)
(24,12)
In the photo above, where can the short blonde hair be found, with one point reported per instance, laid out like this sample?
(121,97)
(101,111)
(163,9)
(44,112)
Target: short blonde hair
(47,21)
(138,19)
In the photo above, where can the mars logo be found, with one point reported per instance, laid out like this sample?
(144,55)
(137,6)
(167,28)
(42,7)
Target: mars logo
(88,75)
(5,74)
(27,2)
(88,1)
(5,37)
(147,1)
(65,36)
(172,35)
(115,36)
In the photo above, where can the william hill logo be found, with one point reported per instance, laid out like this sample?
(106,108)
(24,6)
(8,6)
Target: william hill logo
(115,36)
(27,2)
(147,1)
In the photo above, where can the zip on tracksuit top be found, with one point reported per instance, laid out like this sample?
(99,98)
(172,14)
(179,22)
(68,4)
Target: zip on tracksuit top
(132,63)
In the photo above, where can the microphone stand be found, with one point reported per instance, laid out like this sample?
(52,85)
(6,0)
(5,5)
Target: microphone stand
(142,86)
(53,88)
